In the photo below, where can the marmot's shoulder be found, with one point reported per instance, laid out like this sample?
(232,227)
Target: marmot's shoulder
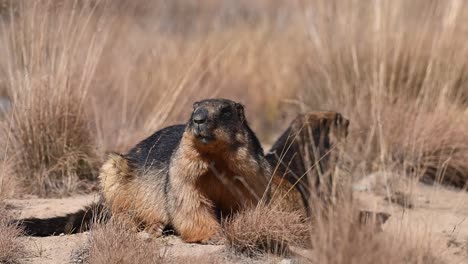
(157,149)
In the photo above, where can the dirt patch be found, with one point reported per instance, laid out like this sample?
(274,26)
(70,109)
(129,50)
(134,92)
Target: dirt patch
(438,212)
(64,248)
(45,208)
(53,250)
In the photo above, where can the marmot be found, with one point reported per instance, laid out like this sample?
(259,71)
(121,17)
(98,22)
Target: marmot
(190,175)
(303,159)
(186,176)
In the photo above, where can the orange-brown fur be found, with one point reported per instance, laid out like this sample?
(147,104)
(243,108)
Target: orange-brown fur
(285,195)
(229,179)
(126,194)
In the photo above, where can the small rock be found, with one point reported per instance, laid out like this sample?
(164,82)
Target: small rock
(145,236)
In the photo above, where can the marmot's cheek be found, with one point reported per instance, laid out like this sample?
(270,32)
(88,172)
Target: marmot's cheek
(222,136)
(205,132)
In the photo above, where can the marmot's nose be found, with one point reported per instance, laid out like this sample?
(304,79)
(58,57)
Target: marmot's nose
(200,116)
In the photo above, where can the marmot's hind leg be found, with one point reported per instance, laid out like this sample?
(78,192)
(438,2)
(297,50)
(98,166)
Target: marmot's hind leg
(136,196)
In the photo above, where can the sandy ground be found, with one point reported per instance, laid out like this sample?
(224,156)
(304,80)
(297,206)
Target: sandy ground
(55,249)
(62,249)
(44,208)
(438,212)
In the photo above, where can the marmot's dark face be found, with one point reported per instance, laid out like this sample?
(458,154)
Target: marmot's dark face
(216,121)
(331,123)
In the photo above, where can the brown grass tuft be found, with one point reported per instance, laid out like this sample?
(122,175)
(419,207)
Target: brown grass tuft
(8,184)
(114,243)
(339,236)
(266,229)
(47,74)
(11,249)
(435,146)
(207,259)
(85,78)
(399,77)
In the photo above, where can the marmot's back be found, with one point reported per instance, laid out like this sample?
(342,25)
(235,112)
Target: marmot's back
(157,149)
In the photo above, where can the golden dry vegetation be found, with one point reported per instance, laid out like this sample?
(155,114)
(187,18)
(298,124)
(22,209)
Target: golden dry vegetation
(86,76)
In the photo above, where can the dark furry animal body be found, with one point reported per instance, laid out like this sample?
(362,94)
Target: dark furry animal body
(303,158)
(186,176)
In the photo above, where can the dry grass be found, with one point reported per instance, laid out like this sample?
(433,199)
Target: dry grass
(339,237)
(266,229)
(399,77)
(113,243)
(11,249)
(8,185)
(433,147)
(78,91)
(114,72)
(52,147)
(208,259)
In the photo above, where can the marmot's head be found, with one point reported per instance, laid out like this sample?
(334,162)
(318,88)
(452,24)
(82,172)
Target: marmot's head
(329,124)
(217,121)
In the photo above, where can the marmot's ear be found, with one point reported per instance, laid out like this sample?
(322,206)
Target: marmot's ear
(195,105)
(240,111)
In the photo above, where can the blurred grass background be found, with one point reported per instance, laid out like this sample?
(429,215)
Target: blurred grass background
(87,76)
